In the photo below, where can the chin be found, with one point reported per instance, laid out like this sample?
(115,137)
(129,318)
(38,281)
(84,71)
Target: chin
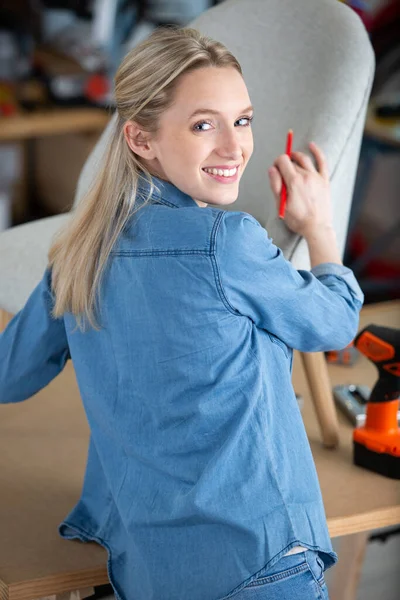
(224,201)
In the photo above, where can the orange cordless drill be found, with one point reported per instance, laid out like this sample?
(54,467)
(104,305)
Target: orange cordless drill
(377,443)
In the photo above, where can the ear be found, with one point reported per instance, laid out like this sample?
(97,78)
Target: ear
(138,140)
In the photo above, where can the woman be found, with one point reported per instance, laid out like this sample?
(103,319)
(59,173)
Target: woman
(180,319)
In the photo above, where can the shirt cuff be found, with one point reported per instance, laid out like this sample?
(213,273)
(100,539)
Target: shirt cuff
(340,271)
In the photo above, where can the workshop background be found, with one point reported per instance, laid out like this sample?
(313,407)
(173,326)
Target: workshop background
(59,55)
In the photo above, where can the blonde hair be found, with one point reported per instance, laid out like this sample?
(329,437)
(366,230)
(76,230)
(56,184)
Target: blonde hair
(144,88)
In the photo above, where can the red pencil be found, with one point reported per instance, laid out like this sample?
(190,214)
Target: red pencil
(282,205)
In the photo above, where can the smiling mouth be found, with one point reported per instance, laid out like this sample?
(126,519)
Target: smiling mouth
(228,173)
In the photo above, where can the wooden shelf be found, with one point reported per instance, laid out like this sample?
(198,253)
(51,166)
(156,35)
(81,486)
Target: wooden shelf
(52,122)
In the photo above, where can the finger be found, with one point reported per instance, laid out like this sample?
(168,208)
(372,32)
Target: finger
(275,180)
(304,161)
(286,168)
(322,164)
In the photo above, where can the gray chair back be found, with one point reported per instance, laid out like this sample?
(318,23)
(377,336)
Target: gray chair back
(308,66)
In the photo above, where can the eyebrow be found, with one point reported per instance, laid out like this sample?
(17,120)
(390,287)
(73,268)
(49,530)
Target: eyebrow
(200,111)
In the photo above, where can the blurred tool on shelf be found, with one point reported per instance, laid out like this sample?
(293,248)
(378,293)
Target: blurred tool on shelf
(347,356)
(352,401)
(373,242)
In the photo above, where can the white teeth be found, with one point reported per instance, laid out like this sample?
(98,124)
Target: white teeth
(222,172)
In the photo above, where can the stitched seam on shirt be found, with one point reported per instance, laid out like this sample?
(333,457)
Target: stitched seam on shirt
(115,403)
(342,279)
(50,301)
(278,342)
(216,270)
(167,203)
(139,253)
(218,282)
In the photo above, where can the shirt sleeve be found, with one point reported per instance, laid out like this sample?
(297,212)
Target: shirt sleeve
(310,311)
(33,347)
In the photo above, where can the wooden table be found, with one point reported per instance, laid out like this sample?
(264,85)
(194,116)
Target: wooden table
(43,446)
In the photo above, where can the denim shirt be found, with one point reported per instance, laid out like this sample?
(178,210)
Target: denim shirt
(199,472)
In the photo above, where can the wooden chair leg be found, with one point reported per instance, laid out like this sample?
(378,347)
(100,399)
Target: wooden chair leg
(316,371)
(346,574)
(5,317)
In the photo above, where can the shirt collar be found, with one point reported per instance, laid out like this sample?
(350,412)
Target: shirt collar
(167,193)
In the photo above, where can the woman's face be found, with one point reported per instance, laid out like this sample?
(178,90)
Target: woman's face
(207,127)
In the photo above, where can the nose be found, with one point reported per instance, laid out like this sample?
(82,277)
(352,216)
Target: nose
(229,145)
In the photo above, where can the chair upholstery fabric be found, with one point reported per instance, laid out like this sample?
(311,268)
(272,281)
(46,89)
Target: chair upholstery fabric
(23,259)
(308,66)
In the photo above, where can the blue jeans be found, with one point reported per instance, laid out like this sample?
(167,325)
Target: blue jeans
(295,577)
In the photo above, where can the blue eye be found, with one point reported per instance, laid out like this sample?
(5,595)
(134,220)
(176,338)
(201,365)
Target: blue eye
(248,119)
(243,122)
(200,124)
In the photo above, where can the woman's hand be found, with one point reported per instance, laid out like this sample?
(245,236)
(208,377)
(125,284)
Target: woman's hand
(308,208)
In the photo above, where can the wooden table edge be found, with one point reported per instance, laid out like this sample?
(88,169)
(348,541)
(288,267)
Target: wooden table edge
(376,519)
(54,584)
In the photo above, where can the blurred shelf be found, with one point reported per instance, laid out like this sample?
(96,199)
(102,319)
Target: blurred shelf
(52,122)
(383,130)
